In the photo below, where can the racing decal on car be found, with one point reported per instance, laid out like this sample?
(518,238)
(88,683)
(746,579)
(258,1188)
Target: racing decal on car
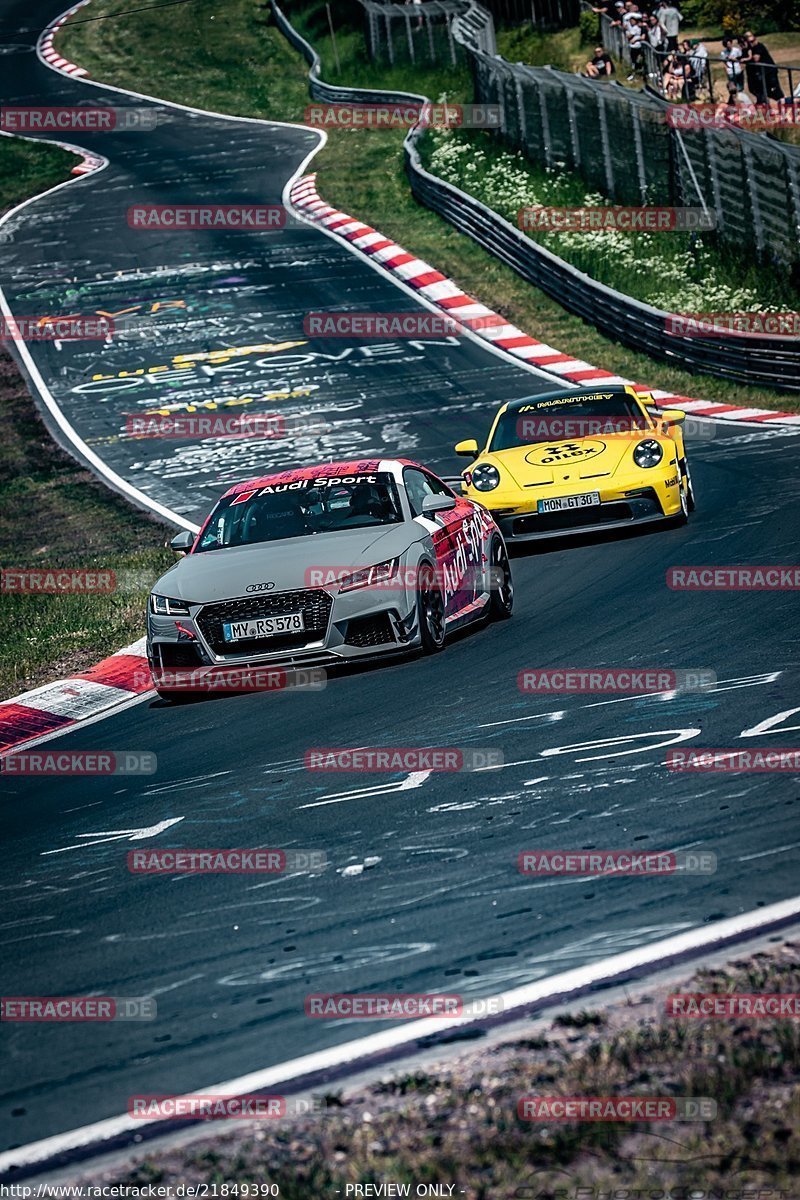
(563,452)
(580,398)
(459,551)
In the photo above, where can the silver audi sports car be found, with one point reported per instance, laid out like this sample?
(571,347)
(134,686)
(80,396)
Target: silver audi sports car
(322,565)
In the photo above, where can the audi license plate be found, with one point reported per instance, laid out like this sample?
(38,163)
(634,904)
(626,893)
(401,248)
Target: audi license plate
(243,631)
(564,503)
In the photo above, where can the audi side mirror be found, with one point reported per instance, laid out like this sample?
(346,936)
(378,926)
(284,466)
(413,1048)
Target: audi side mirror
(437,504)
(182,542)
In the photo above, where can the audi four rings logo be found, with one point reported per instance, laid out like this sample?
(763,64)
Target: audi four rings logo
(260,587)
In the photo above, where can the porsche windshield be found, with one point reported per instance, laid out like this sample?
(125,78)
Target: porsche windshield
(278,511)
(549,422)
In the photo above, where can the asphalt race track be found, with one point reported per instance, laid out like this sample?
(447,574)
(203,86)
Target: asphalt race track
(422,891)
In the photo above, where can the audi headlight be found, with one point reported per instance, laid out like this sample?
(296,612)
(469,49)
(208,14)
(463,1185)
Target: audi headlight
(648,453)
(485,478)
(164,606)
(377,576)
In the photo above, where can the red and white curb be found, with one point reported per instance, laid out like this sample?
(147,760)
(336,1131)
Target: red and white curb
(56,706)
(50,54)
(486,324)
(91,162)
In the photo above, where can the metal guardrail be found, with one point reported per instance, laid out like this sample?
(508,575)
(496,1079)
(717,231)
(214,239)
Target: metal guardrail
(766,362)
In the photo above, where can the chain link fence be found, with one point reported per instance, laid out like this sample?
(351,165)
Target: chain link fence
(628,145)
(419,33)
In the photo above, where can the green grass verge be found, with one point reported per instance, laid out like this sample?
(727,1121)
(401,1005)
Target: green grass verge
(456,1123)
(55,514)
(229,58)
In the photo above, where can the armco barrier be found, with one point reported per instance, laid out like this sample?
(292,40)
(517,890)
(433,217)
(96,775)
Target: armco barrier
(766,362)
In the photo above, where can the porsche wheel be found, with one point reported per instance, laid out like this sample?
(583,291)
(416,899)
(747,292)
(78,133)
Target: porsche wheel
(501,596)
(686,485)
(430,611)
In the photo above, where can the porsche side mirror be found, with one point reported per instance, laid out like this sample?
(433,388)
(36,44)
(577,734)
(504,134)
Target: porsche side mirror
(469,448)
(182,542)
(437,504)
(672,416)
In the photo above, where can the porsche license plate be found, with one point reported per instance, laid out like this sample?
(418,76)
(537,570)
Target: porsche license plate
(565,503)
(243,631)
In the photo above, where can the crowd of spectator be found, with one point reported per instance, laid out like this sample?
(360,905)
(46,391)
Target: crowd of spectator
(680,69)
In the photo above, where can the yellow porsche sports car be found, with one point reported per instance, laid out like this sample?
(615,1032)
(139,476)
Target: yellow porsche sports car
(589,459)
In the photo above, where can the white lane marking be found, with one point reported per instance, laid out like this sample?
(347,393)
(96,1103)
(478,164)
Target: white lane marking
(672,736)
(414,780)
(557,715)
(118,835)
(170,987)
(769,723)
(768,853)
(734,683)
(568,984)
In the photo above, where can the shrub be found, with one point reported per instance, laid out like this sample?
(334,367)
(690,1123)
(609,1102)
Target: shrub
(589,26)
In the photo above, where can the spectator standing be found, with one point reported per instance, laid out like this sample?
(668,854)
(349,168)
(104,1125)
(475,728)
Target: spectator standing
(656,34)
(698,57)
(636,44)
(631,15)
(731,55)
(762,73)
(670,17)
(600,66)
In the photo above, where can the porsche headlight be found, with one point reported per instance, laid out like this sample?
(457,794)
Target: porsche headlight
(485,478)
(648,453)
(164,606)
(377,576)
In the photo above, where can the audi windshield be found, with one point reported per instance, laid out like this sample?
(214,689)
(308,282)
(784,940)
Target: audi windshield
(275,512)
